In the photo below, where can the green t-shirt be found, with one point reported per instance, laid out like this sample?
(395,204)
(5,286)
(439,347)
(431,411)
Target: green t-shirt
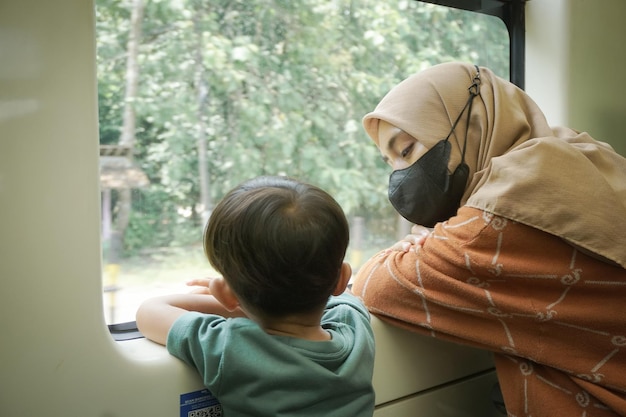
(253,373)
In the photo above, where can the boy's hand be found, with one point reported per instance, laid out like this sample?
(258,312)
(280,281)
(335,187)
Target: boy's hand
(203,284)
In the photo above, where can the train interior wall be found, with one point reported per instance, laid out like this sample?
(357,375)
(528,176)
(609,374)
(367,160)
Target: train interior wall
(575,61)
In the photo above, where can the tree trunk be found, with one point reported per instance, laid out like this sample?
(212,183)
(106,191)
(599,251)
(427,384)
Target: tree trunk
(202,97)
(127,136)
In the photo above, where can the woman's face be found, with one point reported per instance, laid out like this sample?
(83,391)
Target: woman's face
(397,148)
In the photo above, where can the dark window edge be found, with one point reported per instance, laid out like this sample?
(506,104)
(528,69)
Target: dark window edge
(125,331)
(513,14)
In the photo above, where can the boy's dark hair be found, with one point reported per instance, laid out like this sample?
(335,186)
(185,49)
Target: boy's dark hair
(279,243)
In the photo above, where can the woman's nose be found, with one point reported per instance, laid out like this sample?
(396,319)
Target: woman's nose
(399,163)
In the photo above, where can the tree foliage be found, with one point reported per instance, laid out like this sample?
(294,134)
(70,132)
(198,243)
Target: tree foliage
(283,86)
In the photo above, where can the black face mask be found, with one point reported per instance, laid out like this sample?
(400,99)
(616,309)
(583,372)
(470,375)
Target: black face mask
(425,193)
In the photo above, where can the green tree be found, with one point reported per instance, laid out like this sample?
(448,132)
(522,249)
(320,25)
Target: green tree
(233,89)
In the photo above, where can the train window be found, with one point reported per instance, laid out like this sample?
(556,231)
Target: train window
(196,96)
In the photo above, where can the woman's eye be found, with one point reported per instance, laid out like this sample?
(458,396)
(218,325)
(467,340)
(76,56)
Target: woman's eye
(407,151)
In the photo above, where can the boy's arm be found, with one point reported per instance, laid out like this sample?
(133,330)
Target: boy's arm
(155,316)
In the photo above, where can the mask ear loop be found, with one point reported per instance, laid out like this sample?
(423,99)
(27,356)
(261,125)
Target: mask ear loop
(474,90)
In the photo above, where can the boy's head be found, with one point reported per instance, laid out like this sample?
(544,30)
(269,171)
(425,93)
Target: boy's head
(279,244)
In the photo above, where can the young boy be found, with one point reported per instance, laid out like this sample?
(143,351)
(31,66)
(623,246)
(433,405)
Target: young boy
(279,334)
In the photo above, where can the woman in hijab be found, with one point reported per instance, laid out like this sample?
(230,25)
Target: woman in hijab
(527,256)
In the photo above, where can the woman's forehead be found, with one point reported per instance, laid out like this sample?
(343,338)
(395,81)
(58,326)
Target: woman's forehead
(386,130)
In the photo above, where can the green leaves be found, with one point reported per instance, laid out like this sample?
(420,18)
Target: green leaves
(272,87)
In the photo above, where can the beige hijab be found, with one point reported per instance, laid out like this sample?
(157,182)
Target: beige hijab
(557,180)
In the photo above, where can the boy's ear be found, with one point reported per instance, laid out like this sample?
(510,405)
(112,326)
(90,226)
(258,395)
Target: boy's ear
(344,278)
(224,294)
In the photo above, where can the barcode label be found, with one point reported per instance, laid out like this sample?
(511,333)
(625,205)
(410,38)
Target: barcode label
(200,404)
(212,411)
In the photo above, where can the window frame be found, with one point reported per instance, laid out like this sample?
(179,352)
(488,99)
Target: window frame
(512,13)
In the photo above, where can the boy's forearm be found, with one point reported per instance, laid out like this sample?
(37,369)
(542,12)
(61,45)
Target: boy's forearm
(202,303)
(156,315)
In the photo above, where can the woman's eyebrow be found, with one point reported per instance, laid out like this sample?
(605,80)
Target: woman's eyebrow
(390,146)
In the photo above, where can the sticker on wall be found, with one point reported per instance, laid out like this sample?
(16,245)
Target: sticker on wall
(199,404)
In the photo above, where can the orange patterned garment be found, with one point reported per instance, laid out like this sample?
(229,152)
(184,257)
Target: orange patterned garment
(554,317)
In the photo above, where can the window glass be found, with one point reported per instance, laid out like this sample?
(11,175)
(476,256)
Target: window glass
(197,96)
